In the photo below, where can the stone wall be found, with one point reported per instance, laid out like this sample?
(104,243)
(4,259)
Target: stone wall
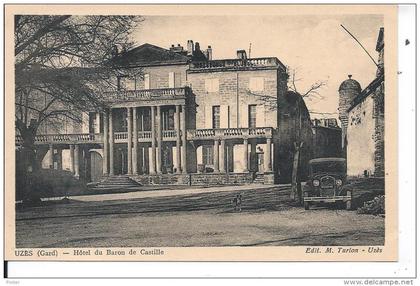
(379,136)
(365,136)
(221,179)
(162,179)
(159,76)
(233,93)
(360,139)
(209,179)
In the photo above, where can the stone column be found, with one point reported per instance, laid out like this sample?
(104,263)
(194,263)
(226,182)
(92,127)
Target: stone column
(184,140)
(267,156)
(105,150)
(72,158)
(51,157)
(111,144)
(216,156)
(59,159)
(159,140)
(153,167)
(253,162)
(129,141)
(178,138)
(222,156)
(245,155)
(76,161)
(135,141)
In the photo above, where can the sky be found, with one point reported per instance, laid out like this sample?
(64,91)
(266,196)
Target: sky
(315,46)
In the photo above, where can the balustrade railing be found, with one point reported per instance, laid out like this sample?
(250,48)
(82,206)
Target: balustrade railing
(63,138)
(229,133)
(236,63)
(144,134)
(146,94)
(120,135)
(168,133)
(201,133)
(192,134)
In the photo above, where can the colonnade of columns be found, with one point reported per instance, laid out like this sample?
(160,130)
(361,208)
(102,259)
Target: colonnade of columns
(74,158)
(156,141)
(219,156)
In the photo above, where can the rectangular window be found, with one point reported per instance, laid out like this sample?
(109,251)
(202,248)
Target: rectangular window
(256,84)
(121,81)
(212,84)
(171,80)
(208,155)
(146,81)
(216,116)
(168,119)
(92,122)
(252,116)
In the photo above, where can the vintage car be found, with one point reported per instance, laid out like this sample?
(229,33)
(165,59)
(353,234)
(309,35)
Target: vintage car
(325,182)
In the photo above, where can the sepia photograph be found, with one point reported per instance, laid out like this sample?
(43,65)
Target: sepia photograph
(153,131)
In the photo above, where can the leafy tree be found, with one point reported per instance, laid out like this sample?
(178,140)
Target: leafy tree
(62,67)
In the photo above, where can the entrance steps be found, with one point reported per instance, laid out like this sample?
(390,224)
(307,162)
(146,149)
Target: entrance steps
(259,179)
(115,182)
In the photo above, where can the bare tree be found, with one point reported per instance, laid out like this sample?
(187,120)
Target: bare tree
(300,95)
(312,92)
(62,65)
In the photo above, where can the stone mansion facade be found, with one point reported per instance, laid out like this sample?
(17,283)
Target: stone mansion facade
(184,118)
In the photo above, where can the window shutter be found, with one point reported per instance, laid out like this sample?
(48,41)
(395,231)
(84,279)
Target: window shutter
(146,81)
(200,155)
(130,83)
(98,123)
(243,116)
(224,116)
(171,80)
(260,116)
(85,122)
(208,116)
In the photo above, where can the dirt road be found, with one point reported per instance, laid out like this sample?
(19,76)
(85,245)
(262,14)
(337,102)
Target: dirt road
(206,219)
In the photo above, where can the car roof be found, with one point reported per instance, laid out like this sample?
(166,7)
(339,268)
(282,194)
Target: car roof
(320,160)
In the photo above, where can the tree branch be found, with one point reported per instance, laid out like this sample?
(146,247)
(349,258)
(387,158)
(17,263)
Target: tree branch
(41,32)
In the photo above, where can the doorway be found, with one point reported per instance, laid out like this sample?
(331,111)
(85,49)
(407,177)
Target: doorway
(95,166)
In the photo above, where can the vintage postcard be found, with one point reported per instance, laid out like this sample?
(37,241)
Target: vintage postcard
(201,132)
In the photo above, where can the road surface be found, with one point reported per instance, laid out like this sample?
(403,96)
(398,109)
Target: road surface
(268,218)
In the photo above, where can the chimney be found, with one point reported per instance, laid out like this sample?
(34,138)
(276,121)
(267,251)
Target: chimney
(241,54)
(177,49)
(209,53)
(190,47)
(197,47)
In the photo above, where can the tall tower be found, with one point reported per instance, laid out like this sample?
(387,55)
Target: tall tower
(348,90)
